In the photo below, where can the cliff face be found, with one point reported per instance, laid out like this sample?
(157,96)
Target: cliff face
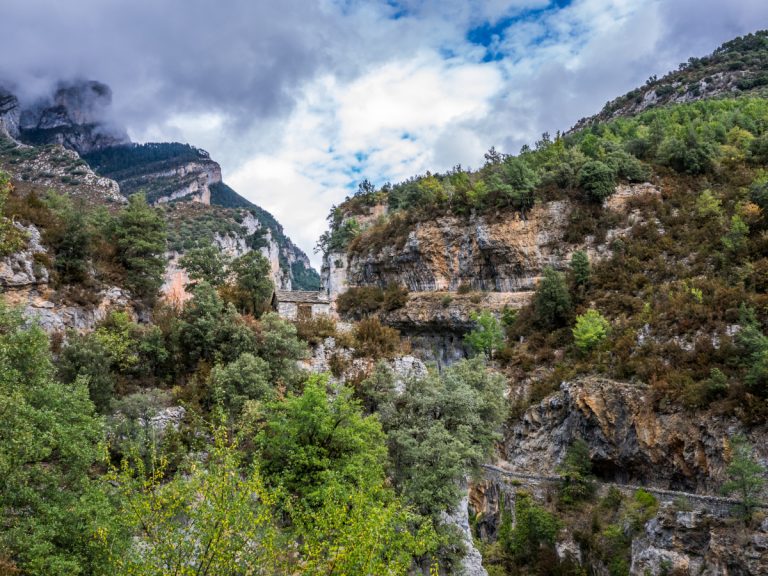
(478,252)
(443,254)
(76,116)
(630,439)
(10,113)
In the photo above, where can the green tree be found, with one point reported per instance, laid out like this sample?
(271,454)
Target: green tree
(140,239)
(534,529)
(211,330)
(580,270)
(253,285)
(207,263)
(49,507)
(746,476)
(278,343)
(597,179)
(576,471)
(590,330)
(86,359)
(211,520)
(73,249)
(311,441)
(233,384)
(552,303)
(439,429)
(487,337)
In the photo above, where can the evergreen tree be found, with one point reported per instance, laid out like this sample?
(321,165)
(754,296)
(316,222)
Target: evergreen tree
(552,303)
(746,476)
(140,239)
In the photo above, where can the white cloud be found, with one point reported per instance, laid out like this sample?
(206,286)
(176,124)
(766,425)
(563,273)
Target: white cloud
(298,100)
(388,124)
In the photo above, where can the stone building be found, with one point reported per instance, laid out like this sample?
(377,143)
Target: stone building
(298,305)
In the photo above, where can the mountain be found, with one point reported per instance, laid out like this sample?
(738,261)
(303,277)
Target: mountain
(555,364)
(735,69)
(625,264)
(68,141)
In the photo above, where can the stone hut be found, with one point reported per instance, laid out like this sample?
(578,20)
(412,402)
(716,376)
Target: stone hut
(298,305)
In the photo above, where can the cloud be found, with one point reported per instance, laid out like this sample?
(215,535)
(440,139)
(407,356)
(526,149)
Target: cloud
(300,100)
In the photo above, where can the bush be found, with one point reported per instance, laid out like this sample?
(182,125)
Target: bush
(374,340)
(360,301)
(395,297)
(487,336)
(316,329)
(597,180)
(590,330)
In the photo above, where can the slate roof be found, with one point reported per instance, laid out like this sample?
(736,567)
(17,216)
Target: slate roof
(302,297)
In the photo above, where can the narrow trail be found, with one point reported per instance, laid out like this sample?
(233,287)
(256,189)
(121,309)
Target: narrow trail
(709,499)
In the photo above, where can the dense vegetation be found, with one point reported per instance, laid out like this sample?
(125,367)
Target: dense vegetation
(196,443)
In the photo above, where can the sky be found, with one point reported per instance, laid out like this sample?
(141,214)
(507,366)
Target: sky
(300,100)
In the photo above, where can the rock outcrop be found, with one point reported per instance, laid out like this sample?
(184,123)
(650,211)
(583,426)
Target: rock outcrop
(10,114)
(75,116)
(25,268)
(630,440)
(684,542)
(483,253)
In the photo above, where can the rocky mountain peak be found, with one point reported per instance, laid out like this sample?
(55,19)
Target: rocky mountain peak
(76,115)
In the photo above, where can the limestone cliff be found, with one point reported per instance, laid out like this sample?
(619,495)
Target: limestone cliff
(630,439)
(76,116)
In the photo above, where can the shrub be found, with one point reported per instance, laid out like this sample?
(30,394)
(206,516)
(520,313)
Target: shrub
(395,296)
(360,301)
(590,330)
(487,336)
(579,269)
(374,340)
(316,329)
(576,470)
(597,180)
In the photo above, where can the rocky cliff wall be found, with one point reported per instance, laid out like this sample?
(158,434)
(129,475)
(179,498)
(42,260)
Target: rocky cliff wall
(484,253)
(76,115)
(631,440)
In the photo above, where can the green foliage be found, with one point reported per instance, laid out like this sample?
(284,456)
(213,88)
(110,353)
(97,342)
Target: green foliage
(49,507)
(440,428)
(86,358)
(360,301)
(140,239)
(735,240)
(487,337)
(552,302)
(131,433)
(590,330)
(576,471)
(247,378)
(597,180)
(709,206)
(207,263)
(534,529)
(210,330)
(746,476)
(278,344)
(753,347)
(253,286)
(312,441)
(579,270)
(366,532)
(212,520)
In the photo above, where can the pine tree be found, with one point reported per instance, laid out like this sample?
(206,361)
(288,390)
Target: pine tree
(140,239)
